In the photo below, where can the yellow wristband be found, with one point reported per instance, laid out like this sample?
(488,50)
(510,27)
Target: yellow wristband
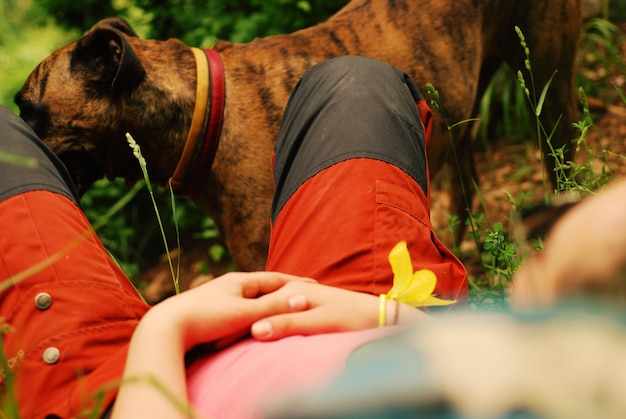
(382,310)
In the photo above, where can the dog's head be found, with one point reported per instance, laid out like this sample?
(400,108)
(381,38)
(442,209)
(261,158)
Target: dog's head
(73,99)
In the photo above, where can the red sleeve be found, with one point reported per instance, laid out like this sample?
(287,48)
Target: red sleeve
(71,316)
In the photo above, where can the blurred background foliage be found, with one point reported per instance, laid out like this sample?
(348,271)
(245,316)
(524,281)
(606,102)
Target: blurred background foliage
(31,29)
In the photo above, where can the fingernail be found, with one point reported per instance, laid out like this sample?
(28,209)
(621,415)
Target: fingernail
(298,302)
(262,329)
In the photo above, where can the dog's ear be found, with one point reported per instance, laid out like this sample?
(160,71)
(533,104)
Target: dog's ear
(104,56)
(114,23)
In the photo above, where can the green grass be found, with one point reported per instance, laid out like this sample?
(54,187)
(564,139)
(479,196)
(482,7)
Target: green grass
(499,251)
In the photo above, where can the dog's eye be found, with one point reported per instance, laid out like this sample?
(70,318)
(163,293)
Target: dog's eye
(34,115)
(27,110)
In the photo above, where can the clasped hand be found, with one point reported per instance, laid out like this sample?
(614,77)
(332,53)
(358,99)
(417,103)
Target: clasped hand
(267,305)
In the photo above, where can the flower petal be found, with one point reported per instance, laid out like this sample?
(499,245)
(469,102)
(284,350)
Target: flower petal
(402,268)
(434,301)
(413,288)
(421,287)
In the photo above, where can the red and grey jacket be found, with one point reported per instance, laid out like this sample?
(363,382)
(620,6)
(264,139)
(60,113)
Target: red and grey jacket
(67,308)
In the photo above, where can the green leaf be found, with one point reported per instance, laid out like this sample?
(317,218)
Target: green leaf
(544,92)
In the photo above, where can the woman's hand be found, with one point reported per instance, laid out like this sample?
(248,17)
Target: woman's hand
(154,382)
(329,309)
(267,304)
(271,305)
(226,306)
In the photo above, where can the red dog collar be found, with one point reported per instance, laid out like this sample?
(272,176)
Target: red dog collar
(198,154)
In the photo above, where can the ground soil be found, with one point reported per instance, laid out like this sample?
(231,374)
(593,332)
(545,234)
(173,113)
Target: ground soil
(508,167)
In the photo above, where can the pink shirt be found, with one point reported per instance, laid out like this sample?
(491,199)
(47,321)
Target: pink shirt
(239,381)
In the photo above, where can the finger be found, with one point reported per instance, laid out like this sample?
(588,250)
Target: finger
(272,304)
(236,324)
(261,283)
(301,323)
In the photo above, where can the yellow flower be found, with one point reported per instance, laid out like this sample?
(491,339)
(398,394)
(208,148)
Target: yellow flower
(413,288)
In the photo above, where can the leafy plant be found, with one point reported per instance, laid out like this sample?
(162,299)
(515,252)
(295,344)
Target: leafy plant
(8,403)
(434,103)
(599,56)
(500,252)
(503,112)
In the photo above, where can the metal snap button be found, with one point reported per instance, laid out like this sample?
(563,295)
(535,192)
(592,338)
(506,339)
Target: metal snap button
(43,301)
(51,355)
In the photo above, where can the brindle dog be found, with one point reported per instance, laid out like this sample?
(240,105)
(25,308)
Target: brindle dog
(84,97)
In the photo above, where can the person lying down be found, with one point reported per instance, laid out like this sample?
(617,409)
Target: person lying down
(351,184)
